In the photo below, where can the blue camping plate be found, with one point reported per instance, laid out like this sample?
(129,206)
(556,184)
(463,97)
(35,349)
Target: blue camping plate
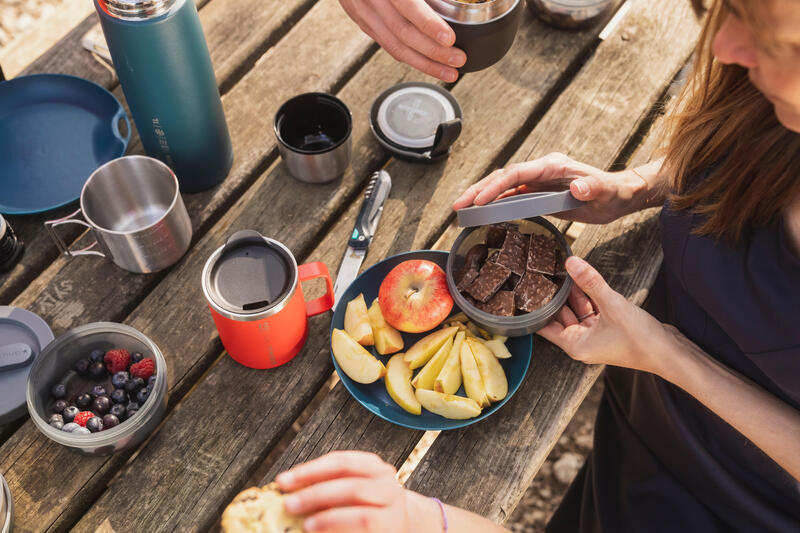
(55,130)
(374,396)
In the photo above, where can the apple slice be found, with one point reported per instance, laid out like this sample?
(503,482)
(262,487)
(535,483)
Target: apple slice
(494,378)
(398,384)
(448,405)
(473,382)
(356,321)
(414,296)
(421,352)
(498,347)
(449,379)
(354,360)
(387,339)
(425,377)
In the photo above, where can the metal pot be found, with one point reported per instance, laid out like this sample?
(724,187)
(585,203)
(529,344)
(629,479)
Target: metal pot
(485,31)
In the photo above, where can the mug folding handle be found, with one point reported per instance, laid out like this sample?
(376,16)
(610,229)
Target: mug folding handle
(317,270)
(50,226)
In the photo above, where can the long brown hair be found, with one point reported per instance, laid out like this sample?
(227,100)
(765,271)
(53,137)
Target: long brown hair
(723,125)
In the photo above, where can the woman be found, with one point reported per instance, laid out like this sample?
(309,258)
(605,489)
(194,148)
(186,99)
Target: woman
(699,426)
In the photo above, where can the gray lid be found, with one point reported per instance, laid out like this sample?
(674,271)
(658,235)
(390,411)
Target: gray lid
(515,207)
(23,335)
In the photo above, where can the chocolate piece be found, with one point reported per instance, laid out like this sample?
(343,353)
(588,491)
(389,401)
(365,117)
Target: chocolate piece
(511,282)
(496,234)
(501,304)
(561,267)
(466,277)
(513,254)
(493,257)
(476,256)
(491,278)
(542,254)
(533,291)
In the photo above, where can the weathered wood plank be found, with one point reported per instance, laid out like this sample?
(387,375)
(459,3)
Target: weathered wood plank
(613,92)
(237,31)
(27,459)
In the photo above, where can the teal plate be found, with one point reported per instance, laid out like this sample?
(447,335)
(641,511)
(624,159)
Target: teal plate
(374,396)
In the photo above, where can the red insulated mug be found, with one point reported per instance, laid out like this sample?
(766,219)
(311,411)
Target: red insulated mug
(253,288)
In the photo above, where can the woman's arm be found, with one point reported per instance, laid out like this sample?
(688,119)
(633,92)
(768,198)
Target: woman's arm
(458,520)
(622,334)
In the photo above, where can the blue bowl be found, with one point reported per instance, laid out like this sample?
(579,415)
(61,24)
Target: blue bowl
(374,396)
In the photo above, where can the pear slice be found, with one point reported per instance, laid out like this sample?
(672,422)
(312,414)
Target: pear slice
(387,339)
(356,321)
(426,347)
(354,360)
(448,405)
(498,347)
(398,384)
(473,382)
(494,378)
(449,379)
(425,377)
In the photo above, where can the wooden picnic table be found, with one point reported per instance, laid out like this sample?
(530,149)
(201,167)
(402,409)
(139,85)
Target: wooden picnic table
(228,426)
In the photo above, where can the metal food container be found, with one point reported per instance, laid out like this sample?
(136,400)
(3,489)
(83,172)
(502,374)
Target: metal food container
(6,507)
(571,14)
(57,361)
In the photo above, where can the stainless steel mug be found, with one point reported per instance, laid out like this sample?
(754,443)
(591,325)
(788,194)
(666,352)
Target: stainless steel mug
(133,207)
(314,132)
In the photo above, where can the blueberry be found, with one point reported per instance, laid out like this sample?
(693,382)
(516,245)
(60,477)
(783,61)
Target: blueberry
(98,390)
(110,421)
(97,356)
(94,424)
(131,409)
(151,381)
(101,405)
(82,367)
(84,400)
(59,406)
(136,357)
(119,396)
(118,410)
(97,370)
(57,421)
(134,385)
(81,431)
(70,427)
(70,413)
(142,395)
(58,391)
(120,379)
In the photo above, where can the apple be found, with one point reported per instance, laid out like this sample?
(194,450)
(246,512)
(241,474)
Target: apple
(448,405)
(473,382)
(498,347)
(425,377)
(426,347)
(449,379)
(414,297)
(494,378)
(398,384)
(357,322)
(354,359)
(387,339)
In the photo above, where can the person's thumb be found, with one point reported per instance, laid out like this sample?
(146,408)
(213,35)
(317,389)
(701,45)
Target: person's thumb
(589,281)
(586,188)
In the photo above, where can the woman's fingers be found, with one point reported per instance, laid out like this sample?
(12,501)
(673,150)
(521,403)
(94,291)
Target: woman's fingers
(422,16)
(346,520)
(590,282)
(342,492)
(411,36)
(566,317)
(334,465)
(580,303)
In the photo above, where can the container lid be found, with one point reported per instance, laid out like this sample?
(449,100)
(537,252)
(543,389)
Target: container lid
(516,207)
(23,335)
(249,274)
(416,120)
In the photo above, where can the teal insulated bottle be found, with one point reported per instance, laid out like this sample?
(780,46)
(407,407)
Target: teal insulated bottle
(162,60)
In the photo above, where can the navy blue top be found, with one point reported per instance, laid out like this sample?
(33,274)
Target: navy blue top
(661,460)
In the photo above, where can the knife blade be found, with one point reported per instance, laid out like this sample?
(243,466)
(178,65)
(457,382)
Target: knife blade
(380,184)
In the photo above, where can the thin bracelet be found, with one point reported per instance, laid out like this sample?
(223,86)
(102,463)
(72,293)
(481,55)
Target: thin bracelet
(649,197)
(646,184)
(444,514)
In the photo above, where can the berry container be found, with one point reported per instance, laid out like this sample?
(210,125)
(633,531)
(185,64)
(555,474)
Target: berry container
(6,507)
(55,365)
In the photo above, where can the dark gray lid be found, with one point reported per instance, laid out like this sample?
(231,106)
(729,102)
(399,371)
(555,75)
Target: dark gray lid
(515,207)
(23,335)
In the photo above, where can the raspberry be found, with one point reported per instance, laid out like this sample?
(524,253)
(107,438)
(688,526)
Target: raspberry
(82,417)
(143,369)
(117,360)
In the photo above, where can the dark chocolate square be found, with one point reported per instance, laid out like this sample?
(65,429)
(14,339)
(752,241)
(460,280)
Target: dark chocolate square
(542,255)
(496,234)
(465,278)
(513,254)
(501,304)
(511,282)
(491,278)
(533,291)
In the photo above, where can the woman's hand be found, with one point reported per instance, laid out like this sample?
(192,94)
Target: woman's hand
(355,492)
(599,326)
(609,195)
(411,32)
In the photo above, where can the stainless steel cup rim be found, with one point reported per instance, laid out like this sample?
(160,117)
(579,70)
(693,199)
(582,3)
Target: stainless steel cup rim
(175,196)
(468,13)
(339,103)
(256,314)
